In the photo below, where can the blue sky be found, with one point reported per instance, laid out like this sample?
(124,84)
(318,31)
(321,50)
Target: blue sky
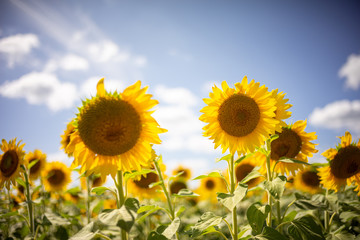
(53,52)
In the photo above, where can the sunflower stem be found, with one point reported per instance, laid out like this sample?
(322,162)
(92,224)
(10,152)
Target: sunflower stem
(120,198)
(88,199)
(29,203)
(232,190)
(269,178)
(326,216)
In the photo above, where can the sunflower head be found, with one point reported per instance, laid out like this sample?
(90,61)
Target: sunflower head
(344,164)
(115,131)
(56,177)
(110,204)
(307,180)
(186,172)
(239,119)
(10,162)
(40,157)
(293,142)
(177,185)
(209,187)
(246,166)
(65,138)
(95,180)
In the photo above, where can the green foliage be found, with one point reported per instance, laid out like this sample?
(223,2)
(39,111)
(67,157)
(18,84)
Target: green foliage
(256,215)
(305,228)
(206,224)
(231,200)
(276,187)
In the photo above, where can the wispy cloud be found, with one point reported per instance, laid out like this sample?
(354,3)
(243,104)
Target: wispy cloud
(41,88)
(351,71)
(16,47)
(68,62)
(338,115)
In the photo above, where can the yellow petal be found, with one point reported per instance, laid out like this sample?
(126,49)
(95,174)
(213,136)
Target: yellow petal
(100,88)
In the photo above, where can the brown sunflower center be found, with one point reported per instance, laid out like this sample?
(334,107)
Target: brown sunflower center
(144,182)
(239,115)
(56,177)
(311,179)
(109,127)
(288,144)
(96,182)
(176,186)
(36,167)
(209,184)
(242,170)
(9,163)
(184,173)
(346,162)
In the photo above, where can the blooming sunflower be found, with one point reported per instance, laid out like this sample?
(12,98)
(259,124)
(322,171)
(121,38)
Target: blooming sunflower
(293,142)
(239,119)
(344,165)
(65,138)
(110,204)
(35,170)
(209,187)
(140,187)
(10,161)
(281,108)
(186,172)
(115,131)
(177,185)
(56,176)
(307,180)
(245,167)
(95,181)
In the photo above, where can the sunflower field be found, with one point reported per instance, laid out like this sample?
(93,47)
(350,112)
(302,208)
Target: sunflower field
(269,190)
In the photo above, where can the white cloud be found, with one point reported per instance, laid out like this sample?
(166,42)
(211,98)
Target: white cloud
(178,96)
(68,63)
(16,47)
(342,114)
(351,71)
(107,50)
(59,156)
(42,88)
(140,61)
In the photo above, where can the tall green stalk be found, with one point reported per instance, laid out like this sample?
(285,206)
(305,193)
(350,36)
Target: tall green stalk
(88,196)
(120,198)
(269,178)
(232,190)
(29,203)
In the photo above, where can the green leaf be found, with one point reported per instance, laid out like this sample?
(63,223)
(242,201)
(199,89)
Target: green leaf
(269,234)
(341,236)
(291,160)
(290,216)
(305,228)
(180,211)
(226,158)
(156,236)
(172,228)
(242,158)
(74,190)
(32,163)
(21,182)
(89,231)
(9,214)
(310,204)
(276,187)
(185,193)
(256,215)
(147,208)
(206,221)
(253,174)
(56,219)
(154,184)
(176,176)
(348,216)
(148,213)
(138,173)
(100,190)
(231,200)
(123,217)
(212,174)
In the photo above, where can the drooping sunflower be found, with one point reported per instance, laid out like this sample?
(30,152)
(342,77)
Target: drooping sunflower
(246,166)
(307,180)
(65,138)
(282,107)
(35,170)
(239,119)
(56,176)
(186,175)
(293,142)
(115,131)
(344,165)
(10,162)
(209,187)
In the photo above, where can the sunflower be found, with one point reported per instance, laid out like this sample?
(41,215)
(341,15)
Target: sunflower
(289,182)
(35,170)
(110,204)
(140,187)
(307,180)
(281,108)
(10,161)
(73,197)
(246,166)
(209,187)
(344,165)
(293,142)
(56,176)
(176,185)
(95,181)
(239,119)
(186,175)
(115,131)
(65,138)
